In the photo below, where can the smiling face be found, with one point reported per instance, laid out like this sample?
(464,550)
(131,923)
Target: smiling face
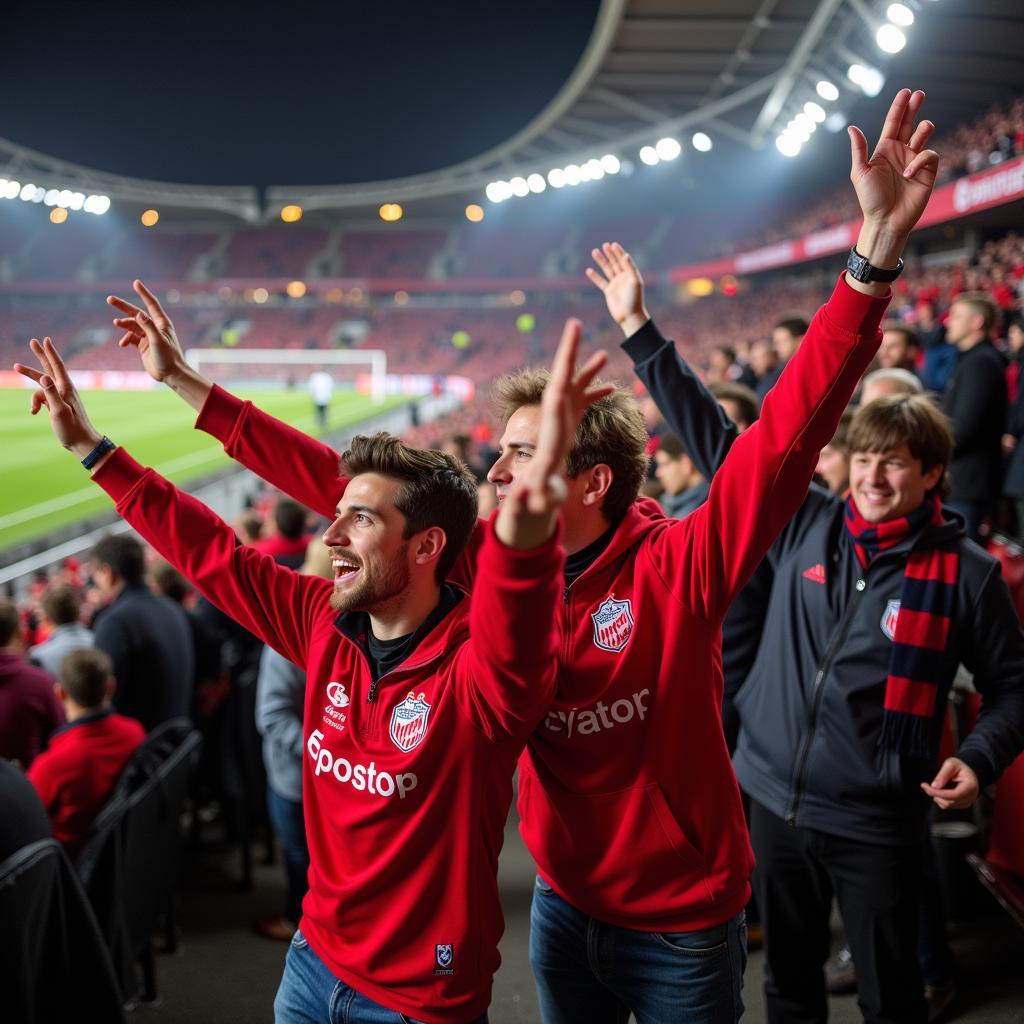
(369,552)
(887,485)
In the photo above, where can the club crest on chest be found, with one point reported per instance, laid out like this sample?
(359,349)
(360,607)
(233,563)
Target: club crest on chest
(889,617)
(409,722)
(613,624)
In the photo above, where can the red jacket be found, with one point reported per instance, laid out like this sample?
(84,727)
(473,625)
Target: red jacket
(76,773)
(627,797)
(405,793)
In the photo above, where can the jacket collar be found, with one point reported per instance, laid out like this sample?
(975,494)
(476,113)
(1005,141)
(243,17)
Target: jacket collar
(92,716)
(641,517)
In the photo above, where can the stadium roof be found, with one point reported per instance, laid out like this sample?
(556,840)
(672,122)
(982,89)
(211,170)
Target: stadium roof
(736,70)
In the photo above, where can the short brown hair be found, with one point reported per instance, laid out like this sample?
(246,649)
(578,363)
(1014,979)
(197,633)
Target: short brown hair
(170,582)
(910,337)
(841,439)
(61,604)
(611,433)
(913,420)
(983,305)
(671,446)
(10,621)
(437,489)
(744,397)
(84,674)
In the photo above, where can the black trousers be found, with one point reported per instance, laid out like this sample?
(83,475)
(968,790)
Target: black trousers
(878,892)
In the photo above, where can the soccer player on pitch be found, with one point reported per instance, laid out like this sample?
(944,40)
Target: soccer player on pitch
(628,801)
(418,699)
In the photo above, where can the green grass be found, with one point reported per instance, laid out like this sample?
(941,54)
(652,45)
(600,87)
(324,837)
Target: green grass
(44,487)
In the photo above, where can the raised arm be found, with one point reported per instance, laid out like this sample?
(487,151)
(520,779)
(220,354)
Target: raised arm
(278,605)
(510,662)
(689,408)
(706,558)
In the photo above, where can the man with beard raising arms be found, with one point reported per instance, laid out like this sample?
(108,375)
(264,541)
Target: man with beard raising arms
(418,698)
(643,854)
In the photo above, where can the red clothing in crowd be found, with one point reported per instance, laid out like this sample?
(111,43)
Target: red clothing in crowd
(279,546)
(76,773)
(29,709)
(407,780)
(627,798)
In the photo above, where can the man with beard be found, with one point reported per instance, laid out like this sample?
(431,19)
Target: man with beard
(643,866)
(418,699)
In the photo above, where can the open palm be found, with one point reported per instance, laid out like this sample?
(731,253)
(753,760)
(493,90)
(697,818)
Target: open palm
(158,347)
(619,280)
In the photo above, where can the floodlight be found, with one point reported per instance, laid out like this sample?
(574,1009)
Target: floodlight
(787,145)
(474,213)
(596,169)
(498,191)
(701,142)
(77,201)
(827,91)
(808,124)
(27,192)
(835,122)
(102,204)
(50,196)
(890,39)
(668,148)
(610,163)
(815,111)
(13,188)
(869,79)
(556,177)
(573,175)
(519,187)
(900,14)
(58,215)
(536,182)
(649,155)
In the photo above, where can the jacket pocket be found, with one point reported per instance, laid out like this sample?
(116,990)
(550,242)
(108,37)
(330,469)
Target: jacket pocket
(621,849)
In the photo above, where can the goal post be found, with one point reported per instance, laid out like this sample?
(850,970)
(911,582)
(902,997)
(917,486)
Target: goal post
(375,358)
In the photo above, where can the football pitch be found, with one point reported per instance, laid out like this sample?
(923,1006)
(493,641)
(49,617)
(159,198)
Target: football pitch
(44,487)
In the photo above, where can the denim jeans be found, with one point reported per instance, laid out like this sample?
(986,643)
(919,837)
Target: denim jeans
(588,972)
(286,817)
(310,994)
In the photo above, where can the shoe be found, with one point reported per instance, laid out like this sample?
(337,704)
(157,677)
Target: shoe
(279,928)
(939,999)
(840,974)
(755,935)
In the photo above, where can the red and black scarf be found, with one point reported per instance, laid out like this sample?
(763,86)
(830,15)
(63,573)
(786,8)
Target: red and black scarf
(923,623)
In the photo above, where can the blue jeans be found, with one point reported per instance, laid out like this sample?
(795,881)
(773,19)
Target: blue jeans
(286,817)
(310,994)
(588,972)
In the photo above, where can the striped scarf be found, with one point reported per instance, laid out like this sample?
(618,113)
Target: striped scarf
(923,621)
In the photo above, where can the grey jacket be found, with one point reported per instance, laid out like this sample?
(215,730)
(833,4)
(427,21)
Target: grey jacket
(64,639)
(280,688)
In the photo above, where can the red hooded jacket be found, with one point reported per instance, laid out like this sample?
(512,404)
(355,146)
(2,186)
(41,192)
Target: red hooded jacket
(405,790)
(627,797)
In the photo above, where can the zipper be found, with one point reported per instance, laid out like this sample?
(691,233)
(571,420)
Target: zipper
(817,693)
(371,695)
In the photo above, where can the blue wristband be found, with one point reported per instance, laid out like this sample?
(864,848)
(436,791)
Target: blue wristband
(105,445)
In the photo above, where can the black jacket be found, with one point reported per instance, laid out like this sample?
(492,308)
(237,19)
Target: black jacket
(150,642)
(808,747)
(976,402)
(1013,483)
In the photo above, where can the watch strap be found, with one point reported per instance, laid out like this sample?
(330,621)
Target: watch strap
(105,445)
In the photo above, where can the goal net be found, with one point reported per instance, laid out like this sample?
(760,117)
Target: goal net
(357,371)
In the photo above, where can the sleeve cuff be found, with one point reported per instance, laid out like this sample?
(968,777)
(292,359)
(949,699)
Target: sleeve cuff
(219,414)
(644,343)
(854,311)
(517,563)
(118,475)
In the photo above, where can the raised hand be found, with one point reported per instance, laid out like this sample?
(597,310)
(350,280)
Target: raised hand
(622,285)
(59,396)
(894,185)
(151,332)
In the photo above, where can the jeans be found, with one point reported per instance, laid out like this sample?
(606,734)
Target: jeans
(878,889)
(310,994)
(588,972)
(286,818)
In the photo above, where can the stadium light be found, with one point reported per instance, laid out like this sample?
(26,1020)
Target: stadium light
(667,148)
(835,122)
(296,289)
(536,183)
(870,80)
(10,189)
(900,14)
(27,193)
(149,218)
(291,214)
(474,213)
(76,203)
(260,295)
(701,142)
(58,215)
(573,175)
(890,39)
(595,169)
(556,177)
(390,212)
(519,187)
(787,145)
(827,91)
(649,155)
(815,111)
(498,191)
(805,123)
(611,164)
(97,204)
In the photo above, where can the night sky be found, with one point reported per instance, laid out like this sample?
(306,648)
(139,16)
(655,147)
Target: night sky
(289,93)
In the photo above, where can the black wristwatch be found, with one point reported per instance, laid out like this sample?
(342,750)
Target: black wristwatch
(105,445)
(860,270)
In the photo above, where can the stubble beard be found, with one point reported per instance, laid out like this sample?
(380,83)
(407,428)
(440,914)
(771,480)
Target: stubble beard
(375,590)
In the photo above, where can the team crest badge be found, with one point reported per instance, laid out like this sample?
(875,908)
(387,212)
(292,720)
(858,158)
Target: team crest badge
(889,617)
(409,723)
(613,624)
(445,955)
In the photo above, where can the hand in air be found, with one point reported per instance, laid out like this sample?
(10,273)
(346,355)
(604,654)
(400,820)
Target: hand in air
(623,287)
(150,331)
(58,395)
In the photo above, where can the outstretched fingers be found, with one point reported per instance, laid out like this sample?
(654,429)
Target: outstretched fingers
(921,135)
(893,124)
(151,301)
